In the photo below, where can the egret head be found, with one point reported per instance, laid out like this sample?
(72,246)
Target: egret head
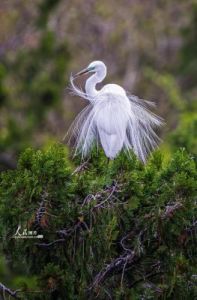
(96,66)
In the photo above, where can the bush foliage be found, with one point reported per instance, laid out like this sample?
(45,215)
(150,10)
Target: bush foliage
(121,230)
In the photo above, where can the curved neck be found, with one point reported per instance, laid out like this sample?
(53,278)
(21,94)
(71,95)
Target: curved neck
(90,86)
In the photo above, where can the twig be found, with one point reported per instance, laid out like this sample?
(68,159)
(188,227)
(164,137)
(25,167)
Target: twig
(98,197)
(80,168)
(50,244)
(105,200)
(170,210)
(64,233)
(4,289)
(116,266)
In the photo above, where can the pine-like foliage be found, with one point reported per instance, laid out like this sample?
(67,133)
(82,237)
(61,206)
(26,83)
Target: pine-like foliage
(110,231)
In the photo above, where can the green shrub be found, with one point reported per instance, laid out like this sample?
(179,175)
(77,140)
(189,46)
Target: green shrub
(121,230)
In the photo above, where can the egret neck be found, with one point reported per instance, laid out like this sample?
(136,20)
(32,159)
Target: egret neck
(91,82)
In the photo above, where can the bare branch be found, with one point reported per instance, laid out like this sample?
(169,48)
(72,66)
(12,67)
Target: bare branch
(116,266)
(45,245)
(170,210)
(81,168)
(64,233)
(4,289)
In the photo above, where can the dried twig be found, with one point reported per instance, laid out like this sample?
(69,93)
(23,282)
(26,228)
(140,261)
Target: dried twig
(81,168)
(113,190)
(104,197)
(64,233)
(4,289)
(45,245)
(170,210)
(116,266)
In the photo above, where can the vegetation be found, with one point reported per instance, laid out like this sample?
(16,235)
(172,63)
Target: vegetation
(125,232)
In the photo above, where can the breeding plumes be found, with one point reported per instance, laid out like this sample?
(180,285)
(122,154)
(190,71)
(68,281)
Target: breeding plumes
(113,118)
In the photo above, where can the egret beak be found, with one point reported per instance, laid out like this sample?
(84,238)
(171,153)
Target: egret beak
(84,71)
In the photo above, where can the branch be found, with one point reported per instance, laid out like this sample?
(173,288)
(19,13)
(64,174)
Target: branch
(104,197)
(64,233)
(116,266)
(4,289)
(170,210)
(45,245)
(81,168)
(113,190)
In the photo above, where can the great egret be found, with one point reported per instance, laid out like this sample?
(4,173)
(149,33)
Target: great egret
(114,119)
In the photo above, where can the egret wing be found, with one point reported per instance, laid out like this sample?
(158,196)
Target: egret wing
(141,135)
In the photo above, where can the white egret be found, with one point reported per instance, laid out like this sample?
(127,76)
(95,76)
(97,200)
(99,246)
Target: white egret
(114,119)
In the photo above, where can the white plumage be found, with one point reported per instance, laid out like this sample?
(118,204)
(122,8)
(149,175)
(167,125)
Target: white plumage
(113,119)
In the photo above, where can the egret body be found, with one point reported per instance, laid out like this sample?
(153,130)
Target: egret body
(113,119)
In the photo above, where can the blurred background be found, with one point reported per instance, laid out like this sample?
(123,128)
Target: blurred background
(149,47)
